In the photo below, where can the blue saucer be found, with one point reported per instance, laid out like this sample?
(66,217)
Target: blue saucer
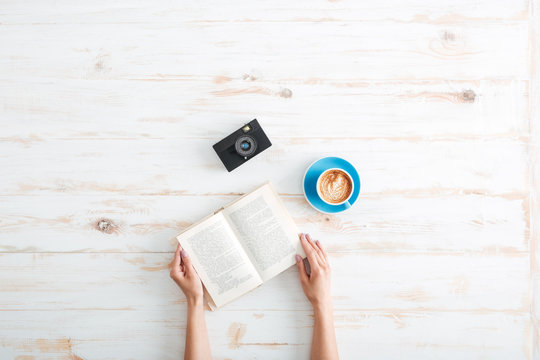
(310,184)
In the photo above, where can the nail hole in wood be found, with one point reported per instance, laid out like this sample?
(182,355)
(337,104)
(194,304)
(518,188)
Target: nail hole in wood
(449,36)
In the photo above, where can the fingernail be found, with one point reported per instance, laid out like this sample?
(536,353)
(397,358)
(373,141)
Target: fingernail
(184,253)
(308,237)
(298,258)
(316,241)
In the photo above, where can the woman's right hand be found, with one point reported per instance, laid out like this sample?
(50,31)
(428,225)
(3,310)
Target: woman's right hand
(184,275)
(316,285)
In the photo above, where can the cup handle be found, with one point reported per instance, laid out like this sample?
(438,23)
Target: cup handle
(347,204)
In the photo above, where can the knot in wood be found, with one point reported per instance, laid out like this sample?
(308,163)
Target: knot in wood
(285,93)
(468,96)
(105,226)
(250,77)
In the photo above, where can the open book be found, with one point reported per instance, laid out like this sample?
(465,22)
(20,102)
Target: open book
(242,245)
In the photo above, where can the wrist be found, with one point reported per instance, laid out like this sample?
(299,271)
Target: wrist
(195,301)
(323,307)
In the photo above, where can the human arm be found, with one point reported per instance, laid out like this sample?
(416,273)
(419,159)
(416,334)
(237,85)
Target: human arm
(316,287)
(185,276)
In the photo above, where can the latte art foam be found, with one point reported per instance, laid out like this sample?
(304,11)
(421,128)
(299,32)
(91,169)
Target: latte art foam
(335,186)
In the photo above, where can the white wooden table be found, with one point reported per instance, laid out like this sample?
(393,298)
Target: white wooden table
(108,110)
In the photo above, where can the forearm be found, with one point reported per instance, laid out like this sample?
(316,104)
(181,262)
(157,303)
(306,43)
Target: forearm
(324,344)
(197,344)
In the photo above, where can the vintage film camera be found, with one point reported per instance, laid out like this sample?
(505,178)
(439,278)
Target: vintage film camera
(242,145)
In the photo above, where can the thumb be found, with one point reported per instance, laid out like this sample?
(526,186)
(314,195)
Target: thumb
(186,260)
(301,269)
(176,260)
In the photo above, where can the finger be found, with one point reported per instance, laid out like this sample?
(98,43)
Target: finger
(320,257)
(310,251)
(308,245)
(322,251)
(177,259)
(301,269)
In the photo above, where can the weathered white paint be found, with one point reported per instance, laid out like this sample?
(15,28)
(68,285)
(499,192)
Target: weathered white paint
(343,50)
(534,159)
(107,114)
(440,281)
(251,334)
(495,224)
(183,108)
(180,166)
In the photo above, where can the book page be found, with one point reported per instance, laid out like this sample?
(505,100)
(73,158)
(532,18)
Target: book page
(265,230)
(222,264)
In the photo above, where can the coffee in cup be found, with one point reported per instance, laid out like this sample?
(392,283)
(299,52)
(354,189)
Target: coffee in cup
(335,186)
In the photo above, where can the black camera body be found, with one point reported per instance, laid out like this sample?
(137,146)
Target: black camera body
(243,144)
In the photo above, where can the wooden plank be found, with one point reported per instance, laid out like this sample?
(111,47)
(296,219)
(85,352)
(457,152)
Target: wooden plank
(212,107)
(375,280)
(162,11)
(173,167)
(179,50)
(243,334)
(79,223)
(534,163)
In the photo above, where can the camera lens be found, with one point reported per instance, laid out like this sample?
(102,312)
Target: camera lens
(245,145)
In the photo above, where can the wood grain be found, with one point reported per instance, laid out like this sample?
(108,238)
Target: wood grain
(385,280)
(82,223)
(463,50)
(108,111)
(381,334)
(178,167)
(213,106)
(161,11)
(534,159)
